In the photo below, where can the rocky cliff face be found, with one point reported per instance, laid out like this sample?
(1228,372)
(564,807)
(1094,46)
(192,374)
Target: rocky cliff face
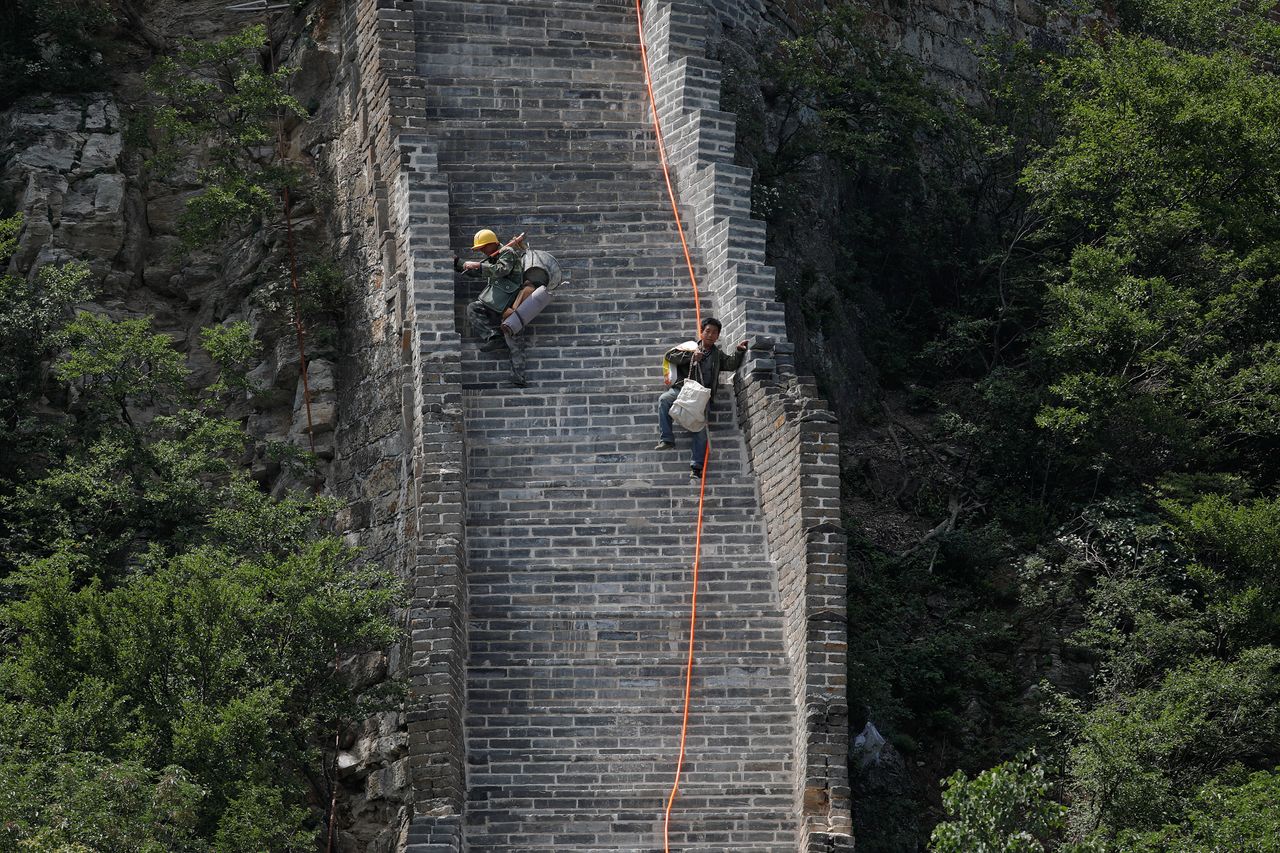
(827,324)
(74,167)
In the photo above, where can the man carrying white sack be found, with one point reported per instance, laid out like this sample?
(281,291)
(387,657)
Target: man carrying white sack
(702,362)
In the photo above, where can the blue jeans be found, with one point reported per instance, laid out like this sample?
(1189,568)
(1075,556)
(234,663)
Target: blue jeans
(698,449)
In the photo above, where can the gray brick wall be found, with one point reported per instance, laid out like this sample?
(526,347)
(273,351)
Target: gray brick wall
(792,438)
(546,589)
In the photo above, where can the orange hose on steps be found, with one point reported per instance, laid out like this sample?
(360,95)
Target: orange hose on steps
(706,453)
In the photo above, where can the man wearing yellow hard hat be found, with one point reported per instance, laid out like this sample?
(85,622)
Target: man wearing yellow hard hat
(503,272)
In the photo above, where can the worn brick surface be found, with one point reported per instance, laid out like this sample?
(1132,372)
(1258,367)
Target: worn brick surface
(579,537)
(547,545)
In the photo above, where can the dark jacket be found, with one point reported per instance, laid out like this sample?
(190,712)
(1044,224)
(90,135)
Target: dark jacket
(504,273)
(707,371)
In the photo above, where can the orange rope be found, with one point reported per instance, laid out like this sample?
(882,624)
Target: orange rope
(688,666)
(706,453)
(666,171)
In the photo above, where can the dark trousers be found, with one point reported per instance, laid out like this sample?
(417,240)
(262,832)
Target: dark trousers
(487,324)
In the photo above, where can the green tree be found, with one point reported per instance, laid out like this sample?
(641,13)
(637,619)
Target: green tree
(1242,817)
(34,313)
(50,46)
(217,96)
(79,802)
(220,664)
(1007,809)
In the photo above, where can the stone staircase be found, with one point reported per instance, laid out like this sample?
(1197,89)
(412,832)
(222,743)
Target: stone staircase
(579,537)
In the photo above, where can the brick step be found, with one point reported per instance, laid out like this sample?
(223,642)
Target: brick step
(712,549)
(602,395)
(586,435)
(608,778)
(603,9)
(724,493)
(591,771)
(581,598)
(559,412)
(569,329)
(614,213)
(672,569)
(609,485)
(639,690)
(649,753)
(710,817)
(566,176)
(515,61)
(655,715)
(522,113)
(515,17)
(597,164)
(600,362)
(453,76)
(540,136)
(582,103)
(554,366)
(477,125)
(714,835)
(584,299)
(550,747)
(555,34)
(485,546)
(683,487)
(652,243)
(535,192)
(583,467)
(611,228)
(745,575)
(636,421)
(520,614)
(626,519)
(652,600)
(554,718)
(566,438)
(652,322)
(631,804)
(482,148)
(672,510)
(637,235)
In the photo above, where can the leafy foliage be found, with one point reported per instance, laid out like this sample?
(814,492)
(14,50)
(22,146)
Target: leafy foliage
(1007,809)
(33,316)
(78,802)
(170,629)
(50,46)
(218,97)
(1082,269)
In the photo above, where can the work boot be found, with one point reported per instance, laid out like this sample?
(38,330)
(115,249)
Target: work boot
(493,343)
(664,445)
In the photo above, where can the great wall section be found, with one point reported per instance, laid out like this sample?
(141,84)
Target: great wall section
(546,546)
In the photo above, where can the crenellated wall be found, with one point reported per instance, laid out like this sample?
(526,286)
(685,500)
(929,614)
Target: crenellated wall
(399,216)
(791,436)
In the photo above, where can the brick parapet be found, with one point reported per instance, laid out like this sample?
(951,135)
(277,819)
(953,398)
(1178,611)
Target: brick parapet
(791,435)
(438,617)
(407,222)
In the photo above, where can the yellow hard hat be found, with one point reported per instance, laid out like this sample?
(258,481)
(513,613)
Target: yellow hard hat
(483,238)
